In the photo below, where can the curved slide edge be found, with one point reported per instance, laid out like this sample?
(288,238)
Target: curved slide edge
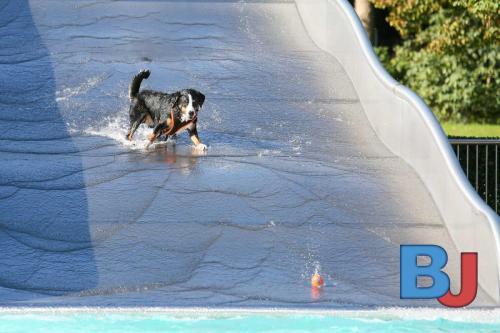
(409,129)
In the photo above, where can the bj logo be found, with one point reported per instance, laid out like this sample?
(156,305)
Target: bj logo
(440,288)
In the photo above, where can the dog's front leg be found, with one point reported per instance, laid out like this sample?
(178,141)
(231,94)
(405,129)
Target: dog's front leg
(193,134)
(156,132)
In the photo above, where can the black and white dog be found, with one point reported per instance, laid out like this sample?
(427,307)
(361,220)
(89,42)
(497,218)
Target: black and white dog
(168,114)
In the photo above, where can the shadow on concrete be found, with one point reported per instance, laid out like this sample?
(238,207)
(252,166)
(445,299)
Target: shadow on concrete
(45,243)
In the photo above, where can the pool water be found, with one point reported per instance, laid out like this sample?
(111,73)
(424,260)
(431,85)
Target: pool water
(192,321)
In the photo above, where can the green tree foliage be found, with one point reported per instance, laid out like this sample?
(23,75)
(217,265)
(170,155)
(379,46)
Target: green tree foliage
(450,55)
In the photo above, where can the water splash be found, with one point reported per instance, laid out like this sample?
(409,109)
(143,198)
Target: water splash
(116,128)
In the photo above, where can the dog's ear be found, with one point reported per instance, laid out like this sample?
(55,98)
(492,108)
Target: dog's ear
(198,96)
(201,98)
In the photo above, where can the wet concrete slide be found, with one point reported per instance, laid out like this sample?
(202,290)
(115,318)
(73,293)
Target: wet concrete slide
(300,173)
(408,128)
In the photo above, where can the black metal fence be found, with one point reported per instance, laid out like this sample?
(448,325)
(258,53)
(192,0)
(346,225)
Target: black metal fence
(479,160)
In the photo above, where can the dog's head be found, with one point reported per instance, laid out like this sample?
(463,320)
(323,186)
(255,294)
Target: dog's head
(189,102)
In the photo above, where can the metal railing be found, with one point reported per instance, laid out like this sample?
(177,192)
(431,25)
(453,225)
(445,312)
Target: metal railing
(479,160)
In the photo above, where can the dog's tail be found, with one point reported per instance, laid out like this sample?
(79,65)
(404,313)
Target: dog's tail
(133,90)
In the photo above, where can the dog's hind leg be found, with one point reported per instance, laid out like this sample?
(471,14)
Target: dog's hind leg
(134,127)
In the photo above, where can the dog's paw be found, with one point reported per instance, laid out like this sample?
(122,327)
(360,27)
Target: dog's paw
(201,147)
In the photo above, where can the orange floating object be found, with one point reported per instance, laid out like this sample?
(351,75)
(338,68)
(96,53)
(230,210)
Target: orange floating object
(317,281)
